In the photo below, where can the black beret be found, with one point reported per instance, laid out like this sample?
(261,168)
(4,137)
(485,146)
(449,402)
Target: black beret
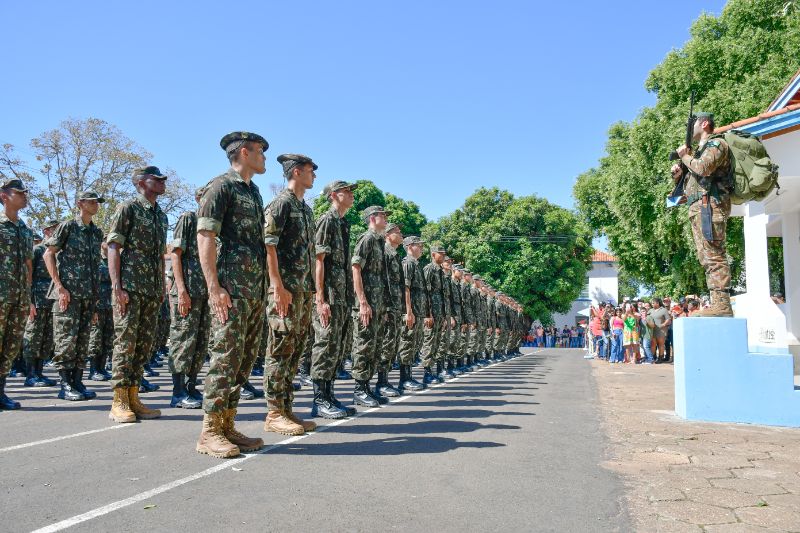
(290,160)
(239,137)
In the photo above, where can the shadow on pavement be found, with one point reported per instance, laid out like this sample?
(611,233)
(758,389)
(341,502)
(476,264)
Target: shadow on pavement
(387,446)
(420,428)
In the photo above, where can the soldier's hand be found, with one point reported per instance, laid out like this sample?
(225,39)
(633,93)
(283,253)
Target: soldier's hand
(95,317)
(324,313)
(122,301)
(410,320)
(682,150)
(283,299)
(184,302)
(63,298)
(676,171)
(429,322)
(452,322)
(32,313)
(464,328)
(220,302)
(364,313)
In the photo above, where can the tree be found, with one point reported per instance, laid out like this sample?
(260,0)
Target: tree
(537,252)
(736,63)
(86,154)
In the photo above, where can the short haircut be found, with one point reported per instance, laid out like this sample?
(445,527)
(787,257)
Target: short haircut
(233,155)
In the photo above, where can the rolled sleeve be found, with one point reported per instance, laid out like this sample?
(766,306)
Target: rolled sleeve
(59,236)
(118,238)
(275,216)
(357,260)
(209,224)
(120,225)
(271,240)
(321,249)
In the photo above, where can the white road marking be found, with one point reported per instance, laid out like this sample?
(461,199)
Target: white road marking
(64,437)
(224,465)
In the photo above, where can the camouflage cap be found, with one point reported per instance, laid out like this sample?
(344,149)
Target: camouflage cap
(477,278)
(235,139)
(91,195)
(374,210)
(338,185)
(148,171)
(704,115)
(290,160)
(51,223)
(13,183)
(412,239)
(438,249)
(467,272)
(391,226)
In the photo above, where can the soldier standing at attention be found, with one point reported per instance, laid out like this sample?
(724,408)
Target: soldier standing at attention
(191,315)
(445,355)
(457,332)
(470,317)
(482,320)
(37,342)
(416,312)
(16,269)
(231,212)
(369,281)
(136,241)
(434,279)
(395,305)
(289,237)
(331,310)
(101,339)
(73,261)
(708,169)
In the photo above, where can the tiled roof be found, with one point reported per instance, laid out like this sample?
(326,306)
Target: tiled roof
(603,257)
(751,120)
(789,97)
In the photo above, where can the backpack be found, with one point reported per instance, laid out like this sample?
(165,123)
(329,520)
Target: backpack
(753,175)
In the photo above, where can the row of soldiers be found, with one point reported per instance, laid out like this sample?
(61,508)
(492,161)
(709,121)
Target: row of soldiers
(244,278)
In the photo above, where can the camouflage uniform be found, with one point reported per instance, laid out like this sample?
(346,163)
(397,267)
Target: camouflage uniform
(482,315)
(456,311)
(289,228)
(395,305)
(188,341)
(232,209)
(368,253)
(432,336)
(38,339)
(164,321)
(411,338)
(140,229)
(443,351)
(101,338)
(77,247)
(491,324)
(468,317)
(16,247)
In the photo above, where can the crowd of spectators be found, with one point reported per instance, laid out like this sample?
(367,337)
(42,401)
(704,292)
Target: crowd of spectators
(552,337)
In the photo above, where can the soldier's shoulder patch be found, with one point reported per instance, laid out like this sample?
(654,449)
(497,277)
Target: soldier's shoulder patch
(713,144)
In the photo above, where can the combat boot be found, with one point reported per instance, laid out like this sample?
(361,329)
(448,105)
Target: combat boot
(341,373)
(304,374)
(279,423)
(428,378)
(149,372)
(212,439)
(321,405)
(145,386)
(142,411)
(307,425)
(121,408)
(180,397)
(97,371)
(155,361)
(407,380)
(362,396)
(77,384)
(451,368)
(720,306)
(243,442)
(6,403)
(30,375)
(191,388)
(332,397)
(383,387)
(249,392)
(258,368)
(39,369)
(441,376)
(380,398)
(68,391)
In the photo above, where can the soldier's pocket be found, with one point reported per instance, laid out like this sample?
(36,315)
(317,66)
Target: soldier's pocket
(280,325)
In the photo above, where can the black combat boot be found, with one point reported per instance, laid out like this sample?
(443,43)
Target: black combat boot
(407,381)
(451,368)
(155,361)
(180,396)
(441,375)
(304,374)
(362,396)
(30,375)
(77,384)
(41,378)
(253,392)
(6,403)
(383,387)
(18,368)
(428,378)
(191,388)
(258,367)
(97,371)
(350,410)
(380,398)
(68,391)
(341,373)
(322,406)
(145,386)
(149,372)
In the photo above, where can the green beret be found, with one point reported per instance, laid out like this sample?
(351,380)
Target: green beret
(338,185)
(91,195)
(13,183)
(236,139)
(290,160)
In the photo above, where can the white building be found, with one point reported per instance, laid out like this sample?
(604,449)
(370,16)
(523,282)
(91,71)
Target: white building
(602,285)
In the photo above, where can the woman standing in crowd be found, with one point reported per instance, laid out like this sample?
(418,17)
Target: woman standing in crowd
(617,326)
(630,335)
(661,322)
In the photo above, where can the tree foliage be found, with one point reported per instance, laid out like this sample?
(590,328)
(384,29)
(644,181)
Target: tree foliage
(544,269)
(737,63)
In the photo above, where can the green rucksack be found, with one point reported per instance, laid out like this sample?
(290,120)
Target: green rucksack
(753,174)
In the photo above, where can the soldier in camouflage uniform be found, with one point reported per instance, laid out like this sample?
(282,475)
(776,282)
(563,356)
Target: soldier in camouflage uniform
(434,279)
(230,244)
(482,319)
(101,338)
(468,314)
(706,187)
(37,343)
(191,315)
(73,261)
(451,322)
(136,240)
(416,312)
(331,312)
(16,268)
(389,335)
(289,236)
(457,332)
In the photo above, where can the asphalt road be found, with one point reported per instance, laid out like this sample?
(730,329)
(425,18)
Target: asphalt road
(513,447)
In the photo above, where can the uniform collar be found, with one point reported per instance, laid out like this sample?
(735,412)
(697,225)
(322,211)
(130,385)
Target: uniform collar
(145,203)
(4,219)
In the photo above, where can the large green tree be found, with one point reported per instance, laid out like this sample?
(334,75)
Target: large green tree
(736,63)
(535,251)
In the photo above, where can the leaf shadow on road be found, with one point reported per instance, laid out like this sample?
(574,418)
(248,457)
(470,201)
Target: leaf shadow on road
(387,446)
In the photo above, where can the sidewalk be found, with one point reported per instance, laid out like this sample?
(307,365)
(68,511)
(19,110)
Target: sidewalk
(694,476)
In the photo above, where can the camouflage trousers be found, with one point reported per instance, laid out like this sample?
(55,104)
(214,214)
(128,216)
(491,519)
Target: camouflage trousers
(366,344)
(101,337)
(164,324)
(328,349)
(410,340)
(306,358)
(712,254)
(188,337)
(287,343)
(233,347)
(13,313)
(71,330)
(430,341)
(443,352)
(489,342)
(479,344)
(455,340)
(389,340)
(134,335)
(500,341)
(37,342)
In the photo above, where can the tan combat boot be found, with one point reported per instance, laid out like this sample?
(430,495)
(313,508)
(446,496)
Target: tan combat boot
(308,425)
(212,439)
(245,443)
(279,423)
(142,412)
(120,407)
(720,306)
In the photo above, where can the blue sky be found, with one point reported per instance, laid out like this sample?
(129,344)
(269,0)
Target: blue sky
(430,100)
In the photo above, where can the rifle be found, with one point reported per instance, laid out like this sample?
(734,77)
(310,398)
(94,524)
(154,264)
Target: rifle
(673,156)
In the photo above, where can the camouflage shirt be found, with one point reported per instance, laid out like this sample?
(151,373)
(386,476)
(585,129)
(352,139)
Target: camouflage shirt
(184,238)
(434,279)
(394,269)
(455,300)
(232,209)
(140,228)
(482,310)
(368,253)
(41,278)
(330,240)
(447,294)
(16,247)
(104,298)
(414,279)
(289,228)
(77,248)
(467,312)
(709,164)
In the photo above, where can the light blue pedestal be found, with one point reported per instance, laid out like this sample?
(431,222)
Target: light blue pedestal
(717,379)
